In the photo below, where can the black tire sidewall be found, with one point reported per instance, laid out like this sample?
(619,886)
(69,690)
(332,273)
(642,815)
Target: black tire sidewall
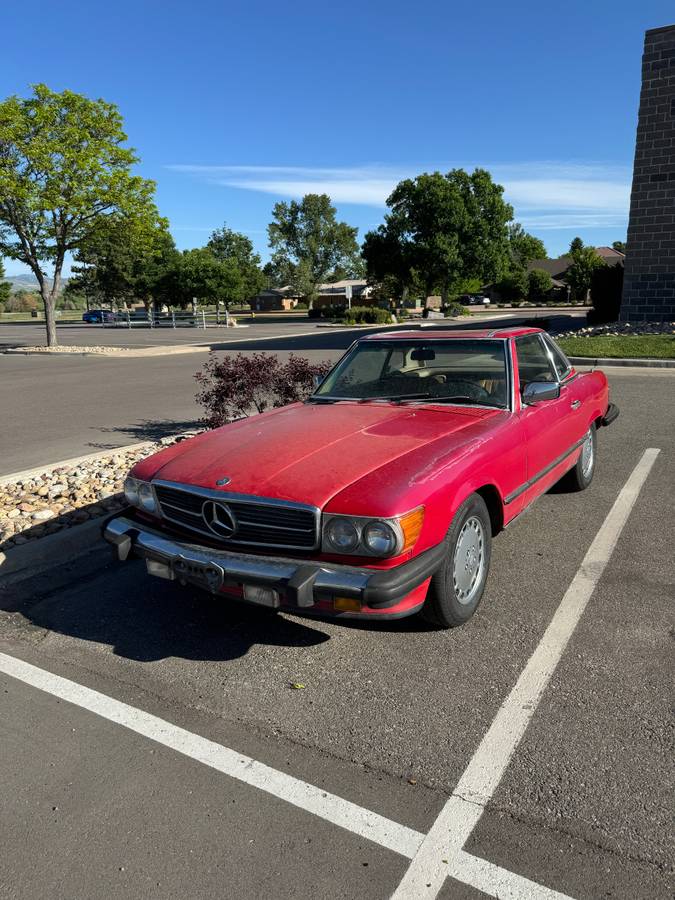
(442,608)
(583,480)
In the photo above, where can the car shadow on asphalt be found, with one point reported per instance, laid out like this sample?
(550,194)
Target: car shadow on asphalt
(146,619)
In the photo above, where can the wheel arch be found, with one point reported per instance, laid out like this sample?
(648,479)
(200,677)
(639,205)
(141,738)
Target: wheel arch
(495,505)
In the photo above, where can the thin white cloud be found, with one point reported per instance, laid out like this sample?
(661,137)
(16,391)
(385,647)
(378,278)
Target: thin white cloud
(545,194)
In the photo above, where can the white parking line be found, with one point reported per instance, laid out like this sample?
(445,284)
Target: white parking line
(462,811)
(376,828)
(438,854)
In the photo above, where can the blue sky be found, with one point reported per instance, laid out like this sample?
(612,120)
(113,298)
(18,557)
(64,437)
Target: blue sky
(234,105)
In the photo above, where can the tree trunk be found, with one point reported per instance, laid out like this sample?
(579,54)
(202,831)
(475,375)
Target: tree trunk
(49,300)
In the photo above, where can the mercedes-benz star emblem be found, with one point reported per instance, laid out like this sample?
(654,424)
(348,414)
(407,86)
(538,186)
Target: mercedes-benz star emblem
(219,518)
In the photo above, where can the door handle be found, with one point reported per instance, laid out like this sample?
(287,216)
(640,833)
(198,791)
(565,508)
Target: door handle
(575,404)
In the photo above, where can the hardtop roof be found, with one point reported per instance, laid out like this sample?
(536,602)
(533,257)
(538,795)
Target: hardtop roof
(427,334)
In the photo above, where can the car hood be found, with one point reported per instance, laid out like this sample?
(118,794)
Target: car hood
(310,452)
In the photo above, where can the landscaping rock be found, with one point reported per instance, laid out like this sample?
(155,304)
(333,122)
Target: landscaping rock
(43,514)
(69,495)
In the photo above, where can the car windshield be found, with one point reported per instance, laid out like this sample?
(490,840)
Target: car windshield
(441,371)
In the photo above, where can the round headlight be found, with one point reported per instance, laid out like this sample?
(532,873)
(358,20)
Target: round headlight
(131,491)
(379,538)
(146,497)
(342,535)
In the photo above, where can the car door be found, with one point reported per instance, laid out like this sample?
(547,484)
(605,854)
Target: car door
(546,425)
(571,390)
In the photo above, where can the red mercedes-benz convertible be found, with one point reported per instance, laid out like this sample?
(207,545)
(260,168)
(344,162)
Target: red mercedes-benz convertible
(379,496)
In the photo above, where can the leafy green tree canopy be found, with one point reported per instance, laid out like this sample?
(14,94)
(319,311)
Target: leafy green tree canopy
(447,228)
(62,166)
(585,260)
(524,247)
(539,283)
(576,244)
(198,275)
(310,246)
(619,245)
(124,257)
(225,245)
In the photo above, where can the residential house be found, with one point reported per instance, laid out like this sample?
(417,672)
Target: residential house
(556,268)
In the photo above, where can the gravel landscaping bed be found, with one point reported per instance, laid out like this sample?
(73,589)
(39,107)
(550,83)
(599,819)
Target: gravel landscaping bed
(69,348)
(67,496)
(620,328)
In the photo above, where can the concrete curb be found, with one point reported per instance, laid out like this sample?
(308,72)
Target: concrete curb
(27,560)
(634,363)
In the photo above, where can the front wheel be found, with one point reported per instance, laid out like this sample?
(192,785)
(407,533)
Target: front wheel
(581,474)
(457,586)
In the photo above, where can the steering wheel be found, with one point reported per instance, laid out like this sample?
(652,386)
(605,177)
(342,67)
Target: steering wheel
(475,391)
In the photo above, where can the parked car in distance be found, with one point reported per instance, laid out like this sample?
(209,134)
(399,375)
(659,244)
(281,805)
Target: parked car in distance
(474,300)
(380,495)
(98,316)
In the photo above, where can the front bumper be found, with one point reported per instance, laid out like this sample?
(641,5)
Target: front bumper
(304,584)
(611,414)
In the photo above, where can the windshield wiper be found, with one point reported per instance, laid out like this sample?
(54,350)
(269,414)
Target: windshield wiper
(461,398)
(315,399)
(396,398)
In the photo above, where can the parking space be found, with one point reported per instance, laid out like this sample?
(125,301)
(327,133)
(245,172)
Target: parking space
(390,719)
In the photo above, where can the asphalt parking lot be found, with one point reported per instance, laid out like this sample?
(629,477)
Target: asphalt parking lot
(176,759)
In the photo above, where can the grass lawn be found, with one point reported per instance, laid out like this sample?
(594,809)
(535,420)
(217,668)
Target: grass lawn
(622,346)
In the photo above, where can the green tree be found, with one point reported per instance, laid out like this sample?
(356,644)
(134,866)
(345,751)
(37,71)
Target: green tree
(310,246)
(5,286)
(387,263)
(62,166)
(447,227)
(513,286)
(539,284)
(124,258)
(524,247)
(619,245)
(576,244)
(225,245)
(585,260)
(198,275)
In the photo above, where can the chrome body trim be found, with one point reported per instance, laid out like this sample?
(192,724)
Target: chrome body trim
(229,496)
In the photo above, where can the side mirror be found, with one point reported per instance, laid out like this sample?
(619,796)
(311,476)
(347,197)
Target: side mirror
(317,380)
(537,391)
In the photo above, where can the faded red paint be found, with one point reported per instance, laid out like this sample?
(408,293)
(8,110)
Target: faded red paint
(385,459)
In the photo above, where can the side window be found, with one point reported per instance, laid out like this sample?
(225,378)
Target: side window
(534,363)
(562,363)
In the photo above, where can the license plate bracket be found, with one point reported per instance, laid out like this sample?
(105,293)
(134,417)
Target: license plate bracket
(206,575)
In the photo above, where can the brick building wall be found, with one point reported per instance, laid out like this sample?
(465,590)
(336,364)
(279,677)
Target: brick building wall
(649,283)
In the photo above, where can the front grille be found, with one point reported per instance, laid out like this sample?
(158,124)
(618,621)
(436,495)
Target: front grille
(260,522)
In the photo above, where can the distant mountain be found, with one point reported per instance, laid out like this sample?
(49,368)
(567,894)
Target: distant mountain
(26,282)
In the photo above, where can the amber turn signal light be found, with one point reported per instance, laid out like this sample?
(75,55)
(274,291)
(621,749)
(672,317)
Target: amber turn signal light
(411,526)
(346,604)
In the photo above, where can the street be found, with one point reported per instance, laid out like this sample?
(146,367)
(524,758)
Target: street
(150,753)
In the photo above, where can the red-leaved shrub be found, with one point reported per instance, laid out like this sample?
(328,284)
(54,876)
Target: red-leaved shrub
(236,386)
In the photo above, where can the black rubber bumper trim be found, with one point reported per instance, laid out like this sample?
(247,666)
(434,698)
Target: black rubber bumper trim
(611,414)
(387,586)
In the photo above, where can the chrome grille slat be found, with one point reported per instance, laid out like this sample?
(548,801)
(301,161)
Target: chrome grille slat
(264,522)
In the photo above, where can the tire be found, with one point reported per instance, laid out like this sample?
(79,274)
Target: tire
(581,474)
(456,590)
